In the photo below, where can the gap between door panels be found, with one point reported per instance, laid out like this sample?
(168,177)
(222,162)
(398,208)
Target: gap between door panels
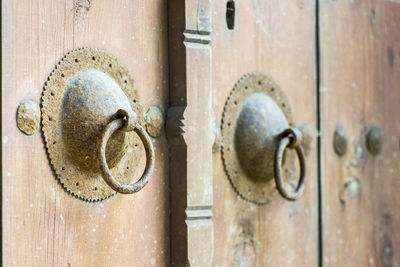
(318,122)
(1,134)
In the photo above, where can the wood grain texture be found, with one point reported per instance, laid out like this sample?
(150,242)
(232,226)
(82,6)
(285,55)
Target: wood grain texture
(360,87)
(42,224)
(277,39)
(190,133)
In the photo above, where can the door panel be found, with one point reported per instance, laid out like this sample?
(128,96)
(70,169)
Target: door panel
(275,38)
(43,225)
(360,88)
(190,132)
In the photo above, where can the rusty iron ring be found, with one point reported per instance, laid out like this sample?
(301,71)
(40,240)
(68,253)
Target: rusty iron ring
(289,138)
(112,127)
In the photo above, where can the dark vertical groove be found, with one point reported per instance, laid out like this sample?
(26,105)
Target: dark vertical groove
(1,132)
(176,19)
(169,148)
(319,155)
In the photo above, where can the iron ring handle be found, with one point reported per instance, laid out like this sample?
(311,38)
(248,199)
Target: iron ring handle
(105,171)
(289,138)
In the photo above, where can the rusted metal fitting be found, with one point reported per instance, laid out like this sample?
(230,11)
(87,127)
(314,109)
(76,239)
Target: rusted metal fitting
(28,117)
(374,140)
(256,112)
(154,121)
(111,128)
(294,136)
(88,91)
(340,141)
(290,138)
(130,119)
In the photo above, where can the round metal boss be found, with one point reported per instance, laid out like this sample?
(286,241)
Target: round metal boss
(81,94)
(255,113)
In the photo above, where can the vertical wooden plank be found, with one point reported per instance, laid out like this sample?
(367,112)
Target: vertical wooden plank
(277,39)
(360,88)
(190,130)
(42,224)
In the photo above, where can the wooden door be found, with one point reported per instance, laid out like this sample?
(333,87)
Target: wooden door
(360,92)
(336,62)
(43,225)
(276,38)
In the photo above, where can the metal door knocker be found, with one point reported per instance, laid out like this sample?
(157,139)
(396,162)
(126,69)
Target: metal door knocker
(91,121)
(289,138)
(257,128)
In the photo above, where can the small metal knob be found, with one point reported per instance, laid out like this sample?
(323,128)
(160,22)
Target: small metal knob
(374,140)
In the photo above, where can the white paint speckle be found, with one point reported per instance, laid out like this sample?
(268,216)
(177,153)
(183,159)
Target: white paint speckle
(5,139)
(371,261)
(141,236)
(354,187)
(152,261)
(8,174)
(155,241)
(94,230)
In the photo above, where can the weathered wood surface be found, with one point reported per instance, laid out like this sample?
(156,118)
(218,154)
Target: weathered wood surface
(275,38)
(42,224)
(360,87)
(190,132)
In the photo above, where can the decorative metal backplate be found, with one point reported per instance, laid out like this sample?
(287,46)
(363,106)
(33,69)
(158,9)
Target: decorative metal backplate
(253,87)
(87,184)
